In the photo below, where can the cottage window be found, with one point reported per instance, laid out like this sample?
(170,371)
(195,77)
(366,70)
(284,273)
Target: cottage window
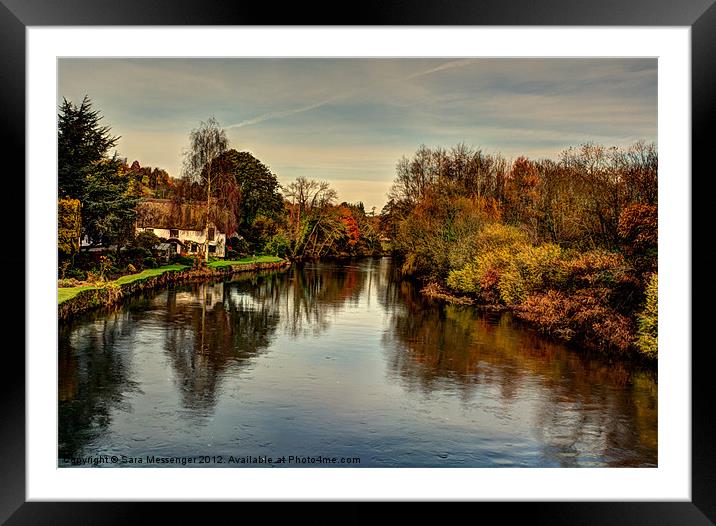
(212,249)
(149,230)
(173,232)
(211,234)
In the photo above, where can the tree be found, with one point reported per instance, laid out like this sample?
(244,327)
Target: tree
(206,145)
(313,223)
(69,224)
(108,205)
(86,172)
(81,142)
(261,200)
(521,193)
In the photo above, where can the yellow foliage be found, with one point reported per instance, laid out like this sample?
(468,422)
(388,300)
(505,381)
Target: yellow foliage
(648,321)
(507,264)
(69,222)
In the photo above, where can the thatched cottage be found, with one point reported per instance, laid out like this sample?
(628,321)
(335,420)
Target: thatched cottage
(182,225)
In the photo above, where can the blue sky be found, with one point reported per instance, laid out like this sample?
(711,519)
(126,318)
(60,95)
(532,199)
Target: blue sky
(348,121)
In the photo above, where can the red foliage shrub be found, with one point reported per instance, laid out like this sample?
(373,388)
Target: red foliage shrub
(489,291)
(584,316)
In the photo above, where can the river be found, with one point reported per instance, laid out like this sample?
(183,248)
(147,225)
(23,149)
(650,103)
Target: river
(338,364)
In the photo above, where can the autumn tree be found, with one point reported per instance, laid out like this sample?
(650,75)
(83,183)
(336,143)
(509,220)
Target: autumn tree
(69,224)
(639,233)
(312,222)
(207,143)
(522,193)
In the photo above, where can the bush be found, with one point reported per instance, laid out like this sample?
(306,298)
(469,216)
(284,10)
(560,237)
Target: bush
(238,248)
(583,316)
(183,260)
(146,240)
(441,233)
(648,321)
(531,269)
(495,247)
(150,263)
(135,255)
(75,273)
(508,269)
(596,268)
(277,246)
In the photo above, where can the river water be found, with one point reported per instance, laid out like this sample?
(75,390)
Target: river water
(335,363)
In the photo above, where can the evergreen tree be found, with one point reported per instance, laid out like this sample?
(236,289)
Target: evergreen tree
(81,142)
(86,172)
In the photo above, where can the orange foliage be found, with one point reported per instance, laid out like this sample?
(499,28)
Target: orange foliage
(583,316)
(350,224)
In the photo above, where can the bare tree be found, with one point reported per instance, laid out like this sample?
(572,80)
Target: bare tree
(310,212)
(206,144)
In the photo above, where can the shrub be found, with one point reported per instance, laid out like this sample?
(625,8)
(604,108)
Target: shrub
(135,255)
(594,268)
(75,273)
(69,222)
(529,270)
(94,277)
(497,235)
(647,321)
(440,233)
(239,247)
(639,236)
(508,268)
(182,260)
(146,240)
(150,263)
(277,246)
(583,316)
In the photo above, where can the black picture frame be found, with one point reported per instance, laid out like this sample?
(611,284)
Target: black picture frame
(16,15)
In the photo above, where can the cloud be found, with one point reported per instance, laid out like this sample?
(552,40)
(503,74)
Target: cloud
(442,67)
(286,113)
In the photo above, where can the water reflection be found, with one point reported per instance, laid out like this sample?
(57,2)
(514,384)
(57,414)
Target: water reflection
(342,358)
(583,403)
(95,375)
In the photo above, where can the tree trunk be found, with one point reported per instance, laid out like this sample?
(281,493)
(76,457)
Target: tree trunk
(208,198)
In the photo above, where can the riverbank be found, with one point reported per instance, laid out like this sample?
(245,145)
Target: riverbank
(550,326)
(74,300)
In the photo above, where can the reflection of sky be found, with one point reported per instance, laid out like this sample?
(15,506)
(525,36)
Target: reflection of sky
(384,375)
(349,120)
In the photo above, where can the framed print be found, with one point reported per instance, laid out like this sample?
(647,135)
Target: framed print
(413,258)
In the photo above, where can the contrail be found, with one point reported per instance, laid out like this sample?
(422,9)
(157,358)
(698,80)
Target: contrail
(286,113)
(447,65)
(278,114)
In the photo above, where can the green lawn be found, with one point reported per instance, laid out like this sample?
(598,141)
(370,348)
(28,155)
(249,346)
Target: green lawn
(66,293)
(258,259)
(148,273)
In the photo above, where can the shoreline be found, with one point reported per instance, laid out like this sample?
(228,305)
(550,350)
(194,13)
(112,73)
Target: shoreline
(110,293)
(436,292)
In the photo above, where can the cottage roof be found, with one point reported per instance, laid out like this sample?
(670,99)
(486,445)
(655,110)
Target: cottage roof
(165,213)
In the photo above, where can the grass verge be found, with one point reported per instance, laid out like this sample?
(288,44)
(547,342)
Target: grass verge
(66,293)
(229,262)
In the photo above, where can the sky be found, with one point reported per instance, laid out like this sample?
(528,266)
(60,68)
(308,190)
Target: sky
(349,120)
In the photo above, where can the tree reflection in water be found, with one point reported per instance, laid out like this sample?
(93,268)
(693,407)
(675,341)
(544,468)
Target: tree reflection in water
(162,366)
(94,379)
(584,402)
